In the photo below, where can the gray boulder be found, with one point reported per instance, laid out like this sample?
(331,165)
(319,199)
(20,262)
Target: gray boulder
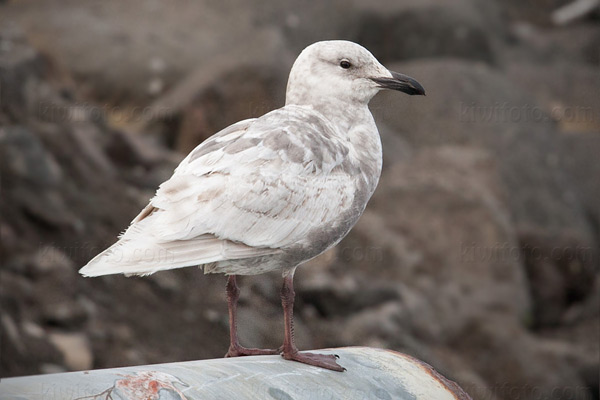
(424,29)
(468,103)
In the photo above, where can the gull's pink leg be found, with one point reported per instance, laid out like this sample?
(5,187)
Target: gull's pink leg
(290,351)
(235,349)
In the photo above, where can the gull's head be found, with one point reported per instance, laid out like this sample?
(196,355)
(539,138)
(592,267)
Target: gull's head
(344,71)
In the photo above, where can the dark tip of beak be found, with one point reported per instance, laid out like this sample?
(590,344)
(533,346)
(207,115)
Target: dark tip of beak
(402,83)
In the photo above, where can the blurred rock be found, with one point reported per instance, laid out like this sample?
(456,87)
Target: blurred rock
(561,272)
(33,170)
(579,329)
(331,300)
(135,152)
(51,260)
(33,330)
(240,93)
(245,82)
(538,12)
(164,43)
(520,366)
(413,221)
(51,369)
(62,202)
(405,30)
(24,349)
(577,44)
(579,157)
(28,159)
(54,159)
(567,92)
(381,323)
(160,42)
(472,104)
(395,147)
(21,69)
(75,349)
(11,333)
(167,282)
(63,313)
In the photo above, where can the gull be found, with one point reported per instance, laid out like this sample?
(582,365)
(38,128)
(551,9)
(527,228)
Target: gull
(273,192)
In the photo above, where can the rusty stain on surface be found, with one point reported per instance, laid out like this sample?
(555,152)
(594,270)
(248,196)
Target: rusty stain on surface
(452,386)
(144,385)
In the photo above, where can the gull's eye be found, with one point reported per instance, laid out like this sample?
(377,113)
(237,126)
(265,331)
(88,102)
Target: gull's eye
(345,64)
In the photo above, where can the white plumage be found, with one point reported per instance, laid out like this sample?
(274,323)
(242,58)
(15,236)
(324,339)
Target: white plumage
(234,204)
(270,192)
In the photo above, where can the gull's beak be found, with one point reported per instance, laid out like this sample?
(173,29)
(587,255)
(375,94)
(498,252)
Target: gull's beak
(400,82)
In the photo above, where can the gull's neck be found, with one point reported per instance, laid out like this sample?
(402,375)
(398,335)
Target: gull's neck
(344,115)
(355,123)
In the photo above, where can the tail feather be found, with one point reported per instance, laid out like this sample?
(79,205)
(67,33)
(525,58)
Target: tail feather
(138,257)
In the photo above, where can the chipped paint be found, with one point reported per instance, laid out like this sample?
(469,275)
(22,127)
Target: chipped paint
(452,386)
(145,385)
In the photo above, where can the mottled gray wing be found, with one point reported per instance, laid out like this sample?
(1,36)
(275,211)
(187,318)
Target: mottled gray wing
(264,183)
(252,189)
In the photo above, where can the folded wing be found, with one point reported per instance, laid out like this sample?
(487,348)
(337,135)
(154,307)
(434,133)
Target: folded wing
(253,189)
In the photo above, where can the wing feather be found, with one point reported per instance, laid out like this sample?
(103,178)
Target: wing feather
(253,189)
(137,257)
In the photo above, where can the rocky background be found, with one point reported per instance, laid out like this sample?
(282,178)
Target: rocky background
(477,254)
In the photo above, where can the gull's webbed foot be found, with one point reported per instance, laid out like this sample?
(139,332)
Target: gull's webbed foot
(327,361)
